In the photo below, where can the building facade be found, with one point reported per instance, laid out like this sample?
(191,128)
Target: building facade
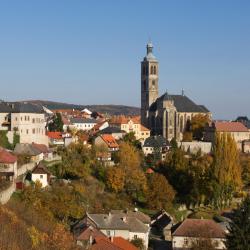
(165,115)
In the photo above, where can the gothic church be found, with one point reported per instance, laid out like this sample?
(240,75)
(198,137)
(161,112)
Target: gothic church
(166,115)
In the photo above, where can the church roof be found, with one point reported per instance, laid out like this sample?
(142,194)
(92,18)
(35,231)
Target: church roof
(182,104)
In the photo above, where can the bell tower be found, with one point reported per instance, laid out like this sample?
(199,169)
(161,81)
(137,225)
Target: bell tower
(149,83)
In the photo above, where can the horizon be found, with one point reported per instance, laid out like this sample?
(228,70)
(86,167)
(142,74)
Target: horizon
(90,53)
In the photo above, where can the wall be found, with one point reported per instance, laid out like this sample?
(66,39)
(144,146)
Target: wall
(195,146)
(143,236)
(179,242)
(6,194)
(122,233)
(42,178)
(26,167)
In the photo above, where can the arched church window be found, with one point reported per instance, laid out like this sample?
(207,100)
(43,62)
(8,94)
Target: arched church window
(152,70)
(181,124)
(155,70)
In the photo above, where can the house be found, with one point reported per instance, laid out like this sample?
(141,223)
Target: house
(8,165)
(107,141)
(118,225)
(237,130)
(156,145)
(47,153)
(66,123)
(56,138)
(30,151)
(100,126)
(104,157)
(86,113)
(117,133)
(82,123)
(26,119)
(191,230)
(163,222)
(40,173)
(131,124)
(246,146)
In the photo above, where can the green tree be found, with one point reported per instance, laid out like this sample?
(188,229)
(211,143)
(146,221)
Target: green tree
(56,124)
(239,231)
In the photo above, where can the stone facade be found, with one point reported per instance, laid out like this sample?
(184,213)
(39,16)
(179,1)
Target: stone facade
(166,115)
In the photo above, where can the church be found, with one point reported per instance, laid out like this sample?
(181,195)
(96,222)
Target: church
(165,115)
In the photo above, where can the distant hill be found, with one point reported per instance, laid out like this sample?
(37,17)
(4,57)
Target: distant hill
(109,109)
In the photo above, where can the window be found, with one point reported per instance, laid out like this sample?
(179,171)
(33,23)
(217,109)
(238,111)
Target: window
(16,118)
(41,176)
(153,83)
(135,236)
(185,241)
(108,233)
(144,70)
(144,85)
(27,131)
(152,70)
(33,130)
(33,120)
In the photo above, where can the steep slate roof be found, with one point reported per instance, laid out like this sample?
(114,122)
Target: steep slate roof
(82,120)
(116,221)
(4,108)
(26,149)
(7,157)
(199,228)
(40,169)
(230,127)
(156,141)
(111,130)
(24,107)
(182,104)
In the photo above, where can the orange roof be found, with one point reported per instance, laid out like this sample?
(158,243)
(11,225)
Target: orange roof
(116,243)
(125,120)
(144,128)
(55,135)
(110,141)
(123,244)
(230,127)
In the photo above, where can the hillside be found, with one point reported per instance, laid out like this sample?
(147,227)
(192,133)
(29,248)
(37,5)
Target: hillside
(109,109)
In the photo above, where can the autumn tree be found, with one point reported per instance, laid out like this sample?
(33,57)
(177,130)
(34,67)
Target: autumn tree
(226,166)
(115,179)
(160,193)
(198,124)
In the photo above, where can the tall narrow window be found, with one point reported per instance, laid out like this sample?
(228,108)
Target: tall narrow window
(144,85)
(153,83)
(155,70)
(152,70)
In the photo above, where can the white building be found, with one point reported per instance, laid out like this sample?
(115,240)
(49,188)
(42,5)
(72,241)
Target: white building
(28,120)
(193,230)
(41,174)
(82,123)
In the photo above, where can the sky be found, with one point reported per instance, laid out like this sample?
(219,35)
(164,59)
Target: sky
(89,52)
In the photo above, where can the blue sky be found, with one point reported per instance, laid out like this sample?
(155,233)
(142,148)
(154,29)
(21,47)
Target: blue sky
(89,52)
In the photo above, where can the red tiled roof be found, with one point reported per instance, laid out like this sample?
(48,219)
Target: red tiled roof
(199,228)
(104,244)
(7,157)
(125,120)
(230,127)
(110,141)
(55,135)
(123,244)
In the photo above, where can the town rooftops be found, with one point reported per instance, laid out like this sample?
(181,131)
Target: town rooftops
(199,228)
(7,157)
(25,107)
(229,126)
(104,244)
(116,221)
(82,120)
(83,232)
(156,141)
(41,147)
(4,108)
(124,120)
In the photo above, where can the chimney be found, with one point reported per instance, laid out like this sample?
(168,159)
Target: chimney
(182,92)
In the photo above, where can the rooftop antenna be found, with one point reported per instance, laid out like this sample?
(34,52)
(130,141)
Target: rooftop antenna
(182,92)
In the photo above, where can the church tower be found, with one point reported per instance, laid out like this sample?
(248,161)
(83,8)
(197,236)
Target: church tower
(149,83)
